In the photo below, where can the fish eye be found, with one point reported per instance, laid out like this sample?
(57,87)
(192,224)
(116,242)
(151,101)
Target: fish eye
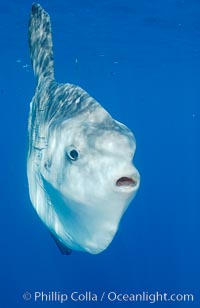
(72,153)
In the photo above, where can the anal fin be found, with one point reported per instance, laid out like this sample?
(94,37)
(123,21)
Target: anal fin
(63,249)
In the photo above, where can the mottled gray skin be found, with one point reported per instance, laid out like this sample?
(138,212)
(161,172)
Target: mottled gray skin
(80,199)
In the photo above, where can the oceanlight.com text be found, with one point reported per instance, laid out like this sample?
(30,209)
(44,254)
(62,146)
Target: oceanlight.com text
(111,296)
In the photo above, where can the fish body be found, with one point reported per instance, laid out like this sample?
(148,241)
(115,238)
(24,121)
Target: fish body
(79,165)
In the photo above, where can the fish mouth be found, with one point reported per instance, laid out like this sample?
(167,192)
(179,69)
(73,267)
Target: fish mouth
(126,182)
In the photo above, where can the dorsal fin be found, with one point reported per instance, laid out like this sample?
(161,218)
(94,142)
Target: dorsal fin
(40,43)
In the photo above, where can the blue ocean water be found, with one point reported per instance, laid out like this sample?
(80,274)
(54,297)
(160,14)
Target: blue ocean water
(141,60)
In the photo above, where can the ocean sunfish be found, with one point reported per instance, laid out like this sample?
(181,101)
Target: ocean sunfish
(79,165)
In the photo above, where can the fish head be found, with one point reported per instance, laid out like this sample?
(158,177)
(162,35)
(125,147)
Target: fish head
(90,178)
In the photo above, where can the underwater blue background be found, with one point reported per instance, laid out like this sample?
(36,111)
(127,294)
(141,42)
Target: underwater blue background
(141,60)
